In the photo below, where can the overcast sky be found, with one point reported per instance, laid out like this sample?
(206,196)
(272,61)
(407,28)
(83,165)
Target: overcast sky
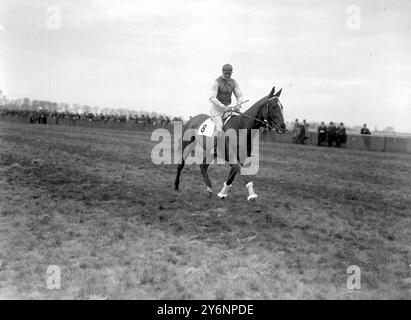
(333,63)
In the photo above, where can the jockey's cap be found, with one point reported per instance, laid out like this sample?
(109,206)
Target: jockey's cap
(227,68)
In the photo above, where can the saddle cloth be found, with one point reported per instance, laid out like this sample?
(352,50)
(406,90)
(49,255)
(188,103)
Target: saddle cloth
(207,128)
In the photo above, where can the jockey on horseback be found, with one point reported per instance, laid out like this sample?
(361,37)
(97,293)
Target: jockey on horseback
(224,86)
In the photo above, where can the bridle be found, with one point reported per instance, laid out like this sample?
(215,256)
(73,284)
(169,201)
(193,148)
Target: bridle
(271,124)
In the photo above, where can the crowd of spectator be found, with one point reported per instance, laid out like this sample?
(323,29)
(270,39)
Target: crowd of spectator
(42,111)
(327,135)
(300,132)
(43,116)
(331,134)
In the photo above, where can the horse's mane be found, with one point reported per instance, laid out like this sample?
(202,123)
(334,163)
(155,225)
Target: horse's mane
(257,104)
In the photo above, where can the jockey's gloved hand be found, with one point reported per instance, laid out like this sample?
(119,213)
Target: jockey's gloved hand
(226,108)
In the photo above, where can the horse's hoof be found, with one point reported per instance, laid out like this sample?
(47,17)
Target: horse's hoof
(222,196)
(209,190)
(252,198)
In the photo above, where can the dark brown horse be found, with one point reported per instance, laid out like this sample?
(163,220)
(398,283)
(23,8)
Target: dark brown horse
(265,112)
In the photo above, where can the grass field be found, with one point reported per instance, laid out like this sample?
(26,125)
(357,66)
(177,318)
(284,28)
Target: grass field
(92,202)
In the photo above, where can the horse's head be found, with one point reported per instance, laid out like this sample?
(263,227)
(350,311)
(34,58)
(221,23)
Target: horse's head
(272,112)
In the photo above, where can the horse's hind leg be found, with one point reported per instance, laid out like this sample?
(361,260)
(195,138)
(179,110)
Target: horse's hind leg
(235,169)
(177,181)
(203,168)
(187,147)
(231,176)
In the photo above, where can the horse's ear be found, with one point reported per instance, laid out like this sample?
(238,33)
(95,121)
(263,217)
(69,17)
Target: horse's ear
(278,93)
(271,93)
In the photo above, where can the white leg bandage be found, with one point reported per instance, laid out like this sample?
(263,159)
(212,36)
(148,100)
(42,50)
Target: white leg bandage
(251,193)
(224,192)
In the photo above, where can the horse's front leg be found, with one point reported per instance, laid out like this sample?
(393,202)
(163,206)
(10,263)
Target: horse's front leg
(227,184)
(251,194)
(250,187)
(236,169)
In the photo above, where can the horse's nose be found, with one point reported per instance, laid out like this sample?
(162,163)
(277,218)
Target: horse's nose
(283,126)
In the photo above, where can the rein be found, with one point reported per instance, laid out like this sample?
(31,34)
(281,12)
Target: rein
(252,118)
